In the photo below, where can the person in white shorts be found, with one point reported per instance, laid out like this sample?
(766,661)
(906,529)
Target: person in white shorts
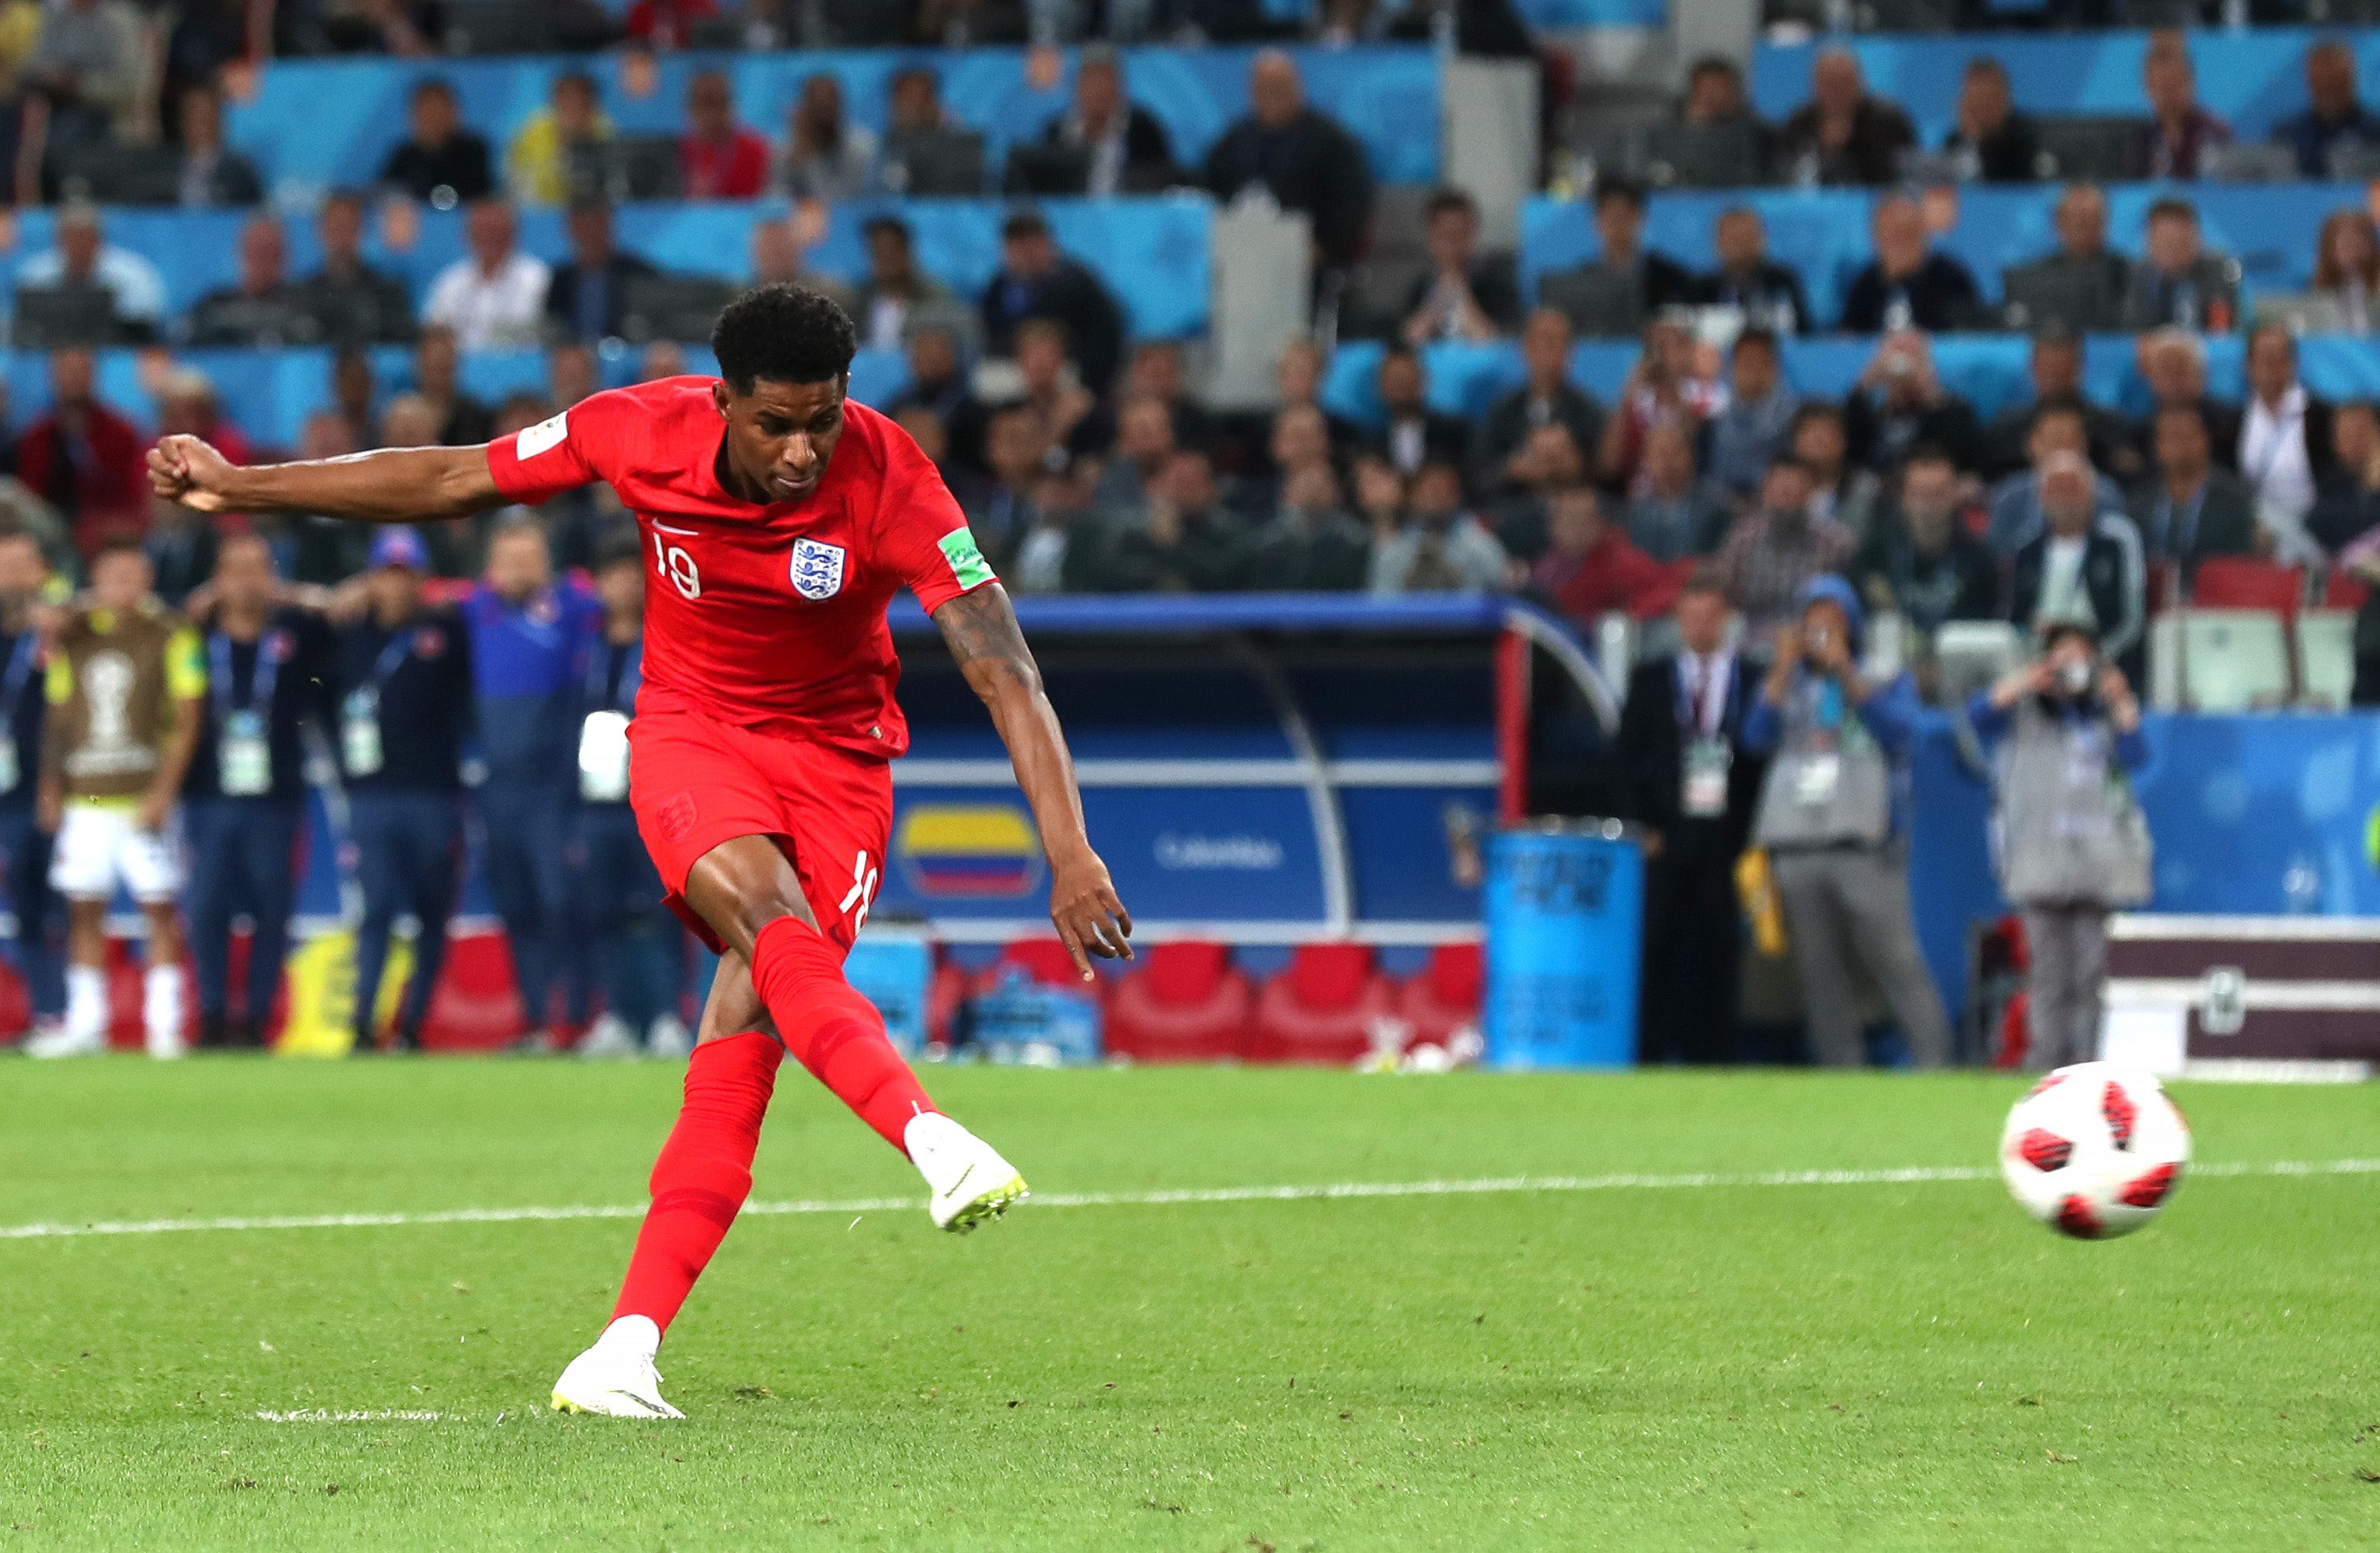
(126,683)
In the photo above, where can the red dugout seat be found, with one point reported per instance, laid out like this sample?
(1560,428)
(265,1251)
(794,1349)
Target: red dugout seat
(1445,995)
(2344,590)
(2240,582)
(1186,1003)
(1044,960)
(1323,1007)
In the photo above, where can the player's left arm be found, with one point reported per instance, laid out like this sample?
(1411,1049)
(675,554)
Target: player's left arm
(981,627)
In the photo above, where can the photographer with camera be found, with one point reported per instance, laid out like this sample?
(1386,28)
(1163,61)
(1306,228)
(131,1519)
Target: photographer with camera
(2067,837)
(1834,817)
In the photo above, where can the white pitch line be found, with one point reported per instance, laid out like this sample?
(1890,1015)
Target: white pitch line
(326,1415)
(1915,1174)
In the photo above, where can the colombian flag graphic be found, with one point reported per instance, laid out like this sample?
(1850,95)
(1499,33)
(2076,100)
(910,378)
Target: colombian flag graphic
(969,849)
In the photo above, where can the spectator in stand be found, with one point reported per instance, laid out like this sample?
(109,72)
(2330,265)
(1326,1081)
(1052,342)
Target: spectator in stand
(2173,362)
(826,155)
(80,255)
(180,546)
(1833,815)
(349,303)
(206,37)
(1775,549)
(536,166)
(2175,141)
(1676,515)
(1900,402)
(1440,548)
(85,458)
(1311,545)
(1590,570)
(1037,281)
(717,157)
(1650,281)
(1910,284)
(310,549)
(2346,267)
(1768,294)
(937,381)
(588,297)
(402,679)
(1156,373)
(1081,425)
(663,25)
(778,260)
(1843,135)
(492,298)
(1746,435)
(1991,139)
(1666,385)
(1715,93)
(210,175)
(441,162)
(2188,509)
(1185,541)
(1841,489)
(2096,278)
(1548,462)
(1130,153)
(2056,367)
(88,64)
(530,639)
(2285,443)
(896,288)
(2334,115)
(1545,396)
(2349,506)
(354,392)
(1411,433)
(263,309)
(461,420)
(1463,296)
(2085,567)
(1301,440)
(1017,446)
(1299,156)
(1921,560)
(36,946)
(1145,444)
(244,798)
(1687,779)
(2016,504)
(187,405)
(2177,281)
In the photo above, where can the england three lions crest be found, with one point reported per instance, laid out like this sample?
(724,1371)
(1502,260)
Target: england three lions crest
(817,569)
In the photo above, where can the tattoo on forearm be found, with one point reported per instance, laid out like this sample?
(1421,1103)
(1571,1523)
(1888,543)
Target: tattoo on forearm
(980,627)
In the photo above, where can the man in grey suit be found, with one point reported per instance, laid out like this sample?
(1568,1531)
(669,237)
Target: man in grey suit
(2188,509)
(2177,281)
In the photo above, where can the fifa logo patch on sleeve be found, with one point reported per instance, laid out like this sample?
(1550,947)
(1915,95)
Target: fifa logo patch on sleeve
(817,569)
(536,439)
(967,564)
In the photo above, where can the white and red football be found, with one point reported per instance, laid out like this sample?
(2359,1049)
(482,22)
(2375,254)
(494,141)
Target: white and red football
(2094,1151)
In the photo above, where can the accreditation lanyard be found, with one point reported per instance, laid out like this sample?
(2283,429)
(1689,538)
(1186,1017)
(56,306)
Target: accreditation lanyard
(359,738)
(244,734)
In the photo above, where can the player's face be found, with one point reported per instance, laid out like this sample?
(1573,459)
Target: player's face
(781,436)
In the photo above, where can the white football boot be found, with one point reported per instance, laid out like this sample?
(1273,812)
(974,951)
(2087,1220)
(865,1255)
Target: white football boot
(609,1036)
(670,1039)
(971,1184)
(616,1379)
(66,1040)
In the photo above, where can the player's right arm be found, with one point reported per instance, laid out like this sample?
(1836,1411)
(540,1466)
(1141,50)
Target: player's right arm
(390,485)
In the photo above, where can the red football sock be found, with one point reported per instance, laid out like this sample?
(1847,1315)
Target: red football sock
(832,1030)
(704,1172)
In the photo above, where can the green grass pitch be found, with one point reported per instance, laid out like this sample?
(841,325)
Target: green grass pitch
(1910,1365)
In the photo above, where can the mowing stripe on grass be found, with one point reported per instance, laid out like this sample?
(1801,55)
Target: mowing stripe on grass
(1915,1174)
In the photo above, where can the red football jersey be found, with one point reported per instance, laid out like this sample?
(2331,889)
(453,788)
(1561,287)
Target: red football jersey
(762,616)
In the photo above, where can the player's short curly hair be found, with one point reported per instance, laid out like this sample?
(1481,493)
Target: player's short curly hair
(784,333)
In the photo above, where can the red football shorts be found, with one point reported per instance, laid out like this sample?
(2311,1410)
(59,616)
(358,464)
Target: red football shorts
(696,783)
